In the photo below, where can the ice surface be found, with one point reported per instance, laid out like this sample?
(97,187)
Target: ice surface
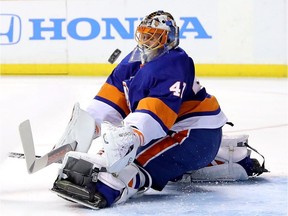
(258,107)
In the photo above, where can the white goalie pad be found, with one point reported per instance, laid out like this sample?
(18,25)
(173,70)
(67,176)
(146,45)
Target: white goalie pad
(128,181)
(232,150)
(96,159)
(81,128)
(222,172)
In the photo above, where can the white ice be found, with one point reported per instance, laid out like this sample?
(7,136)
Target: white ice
(258,107)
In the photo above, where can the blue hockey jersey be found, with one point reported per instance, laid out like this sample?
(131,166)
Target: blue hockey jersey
(156,97)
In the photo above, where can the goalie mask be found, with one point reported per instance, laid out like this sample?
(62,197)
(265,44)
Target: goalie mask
(155,35)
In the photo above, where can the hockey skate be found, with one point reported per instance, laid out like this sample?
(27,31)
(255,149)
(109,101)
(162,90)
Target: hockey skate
(76,183)
(77,194)
(83,179)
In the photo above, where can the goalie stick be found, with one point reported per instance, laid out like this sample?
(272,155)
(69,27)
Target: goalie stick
(36,162)
(80,129)
(19,155)
(33,162)
(22,156)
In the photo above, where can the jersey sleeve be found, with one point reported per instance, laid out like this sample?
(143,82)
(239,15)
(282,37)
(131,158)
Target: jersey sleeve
(110,103)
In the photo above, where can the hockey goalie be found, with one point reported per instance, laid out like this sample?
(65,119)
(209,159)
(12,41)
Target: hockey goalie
(156,124)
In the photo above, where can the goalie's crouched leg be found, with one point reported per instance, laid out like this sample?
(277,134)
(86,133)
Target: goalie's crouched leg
(83,178)
(232,163)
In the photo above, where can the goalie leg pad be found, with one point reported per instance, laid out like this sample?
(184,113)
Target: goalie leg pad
(84,177)
(225,167)
(81,128)
(232,162)
(222,172)
(78,194)
(132,182)
(77,180)
(233,148)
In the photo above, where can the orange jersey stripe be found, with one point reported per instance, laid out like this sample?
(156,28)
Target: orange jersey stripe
(209,104)
(154,150)
(160,109)
(215,162)
(130,184)
(180,136)
(112,94)
(161,146)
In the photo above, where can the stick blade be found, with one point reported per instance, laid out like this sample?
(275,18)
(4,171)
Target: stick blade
(33,162)
(27,143)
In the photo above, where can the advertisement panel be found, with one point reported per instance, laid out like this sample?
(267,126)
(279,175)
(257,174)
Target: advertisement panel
(61,36)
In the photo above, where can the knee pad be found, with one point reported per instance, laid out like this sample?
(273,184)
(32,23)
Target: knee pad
(233,148)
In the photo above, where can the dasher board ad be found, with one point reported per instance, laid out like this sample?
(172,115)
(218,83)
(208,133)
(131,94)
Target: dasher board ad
(87,32)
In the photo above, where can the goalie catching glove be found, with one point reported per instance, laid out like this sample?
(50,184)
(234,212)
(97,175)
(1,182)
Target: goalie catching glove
(120,144)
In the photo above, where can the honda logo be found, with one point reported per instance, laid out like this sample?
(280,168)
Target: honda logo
(10,29)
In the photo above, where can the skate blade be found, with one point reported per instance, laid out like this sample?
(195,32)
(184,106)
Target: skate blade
(72,199)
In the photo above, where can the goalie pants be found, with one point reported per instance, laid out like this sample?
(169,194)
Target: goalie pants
(170,157)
